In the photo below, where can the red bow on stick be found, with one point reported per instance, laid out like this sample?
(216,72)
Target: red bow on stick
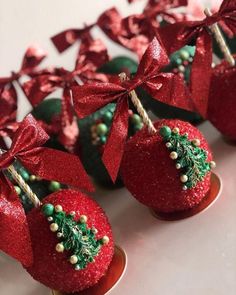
(47,163)
(184,32)
(136,31)
(67,38)
(32,58)
(91,55)
(93,96)
(133,32)
(163,8)
(41,86)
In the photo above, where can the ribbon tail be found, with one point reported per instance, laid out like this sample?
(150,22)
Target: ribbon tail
(64,40)
(14,231)
(201,73)
(33,92)
(67,112)
(114,147)
(69,127)
(53,164)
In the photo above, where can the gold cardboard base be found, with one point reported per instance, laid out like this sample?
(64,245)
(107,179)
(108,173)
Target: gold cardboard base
(110,280)
(209,200)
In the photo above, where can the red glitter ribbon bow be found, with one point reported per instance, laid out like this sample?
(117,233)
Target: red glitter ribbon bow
(93,96)
(32,58)
(67,38)
(162,8)
(47,163)
(183,33)
(133,32)
(136,31)
(91,55)
(39,87)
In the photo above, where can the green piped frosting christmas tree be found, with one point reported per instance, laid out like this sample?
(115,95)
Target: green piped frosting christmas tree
(190,158)
(75,237)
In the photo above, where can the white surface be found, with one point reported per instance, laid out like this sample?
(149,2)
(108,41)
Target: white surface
(194,256)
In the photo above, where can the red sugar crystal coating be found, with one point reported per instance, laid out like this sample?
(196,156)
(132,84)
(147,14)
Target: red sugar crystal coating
(221,105)
(53,269)
(151,176)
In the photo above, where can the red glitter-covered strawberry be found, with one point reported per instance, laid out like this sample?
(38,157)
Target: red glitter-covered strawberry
(168,171)
(71,240)
(221,104)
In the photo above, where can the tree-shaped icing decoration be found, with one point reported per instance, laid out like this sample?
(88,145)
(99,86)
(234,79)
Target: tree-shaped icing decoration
(74,236)
(190,158)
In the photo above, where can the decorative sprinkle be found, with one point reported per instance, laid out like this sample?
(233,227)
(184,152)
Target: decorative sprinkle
(75,236)
(100,129)
(190,158)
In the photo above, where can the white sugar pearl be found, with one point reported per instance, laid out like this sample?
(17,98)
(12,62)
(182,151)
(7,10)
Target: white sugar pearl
(83,218)
(213,164)
(183,178)
(54,227)
(178,166)
(173,155)
(58,208)
(73,259)
(60,248)
(196,142)
(176,130)
(105,240)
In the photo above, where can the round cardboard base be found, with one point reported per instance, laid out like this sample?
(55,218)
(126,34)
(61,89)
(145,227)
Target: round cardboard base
(110,280)
(209,200)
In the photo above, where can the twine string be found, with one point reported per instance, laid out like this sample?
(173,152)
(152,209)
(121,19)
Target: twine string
(139,107)
(23,185)
(220,40)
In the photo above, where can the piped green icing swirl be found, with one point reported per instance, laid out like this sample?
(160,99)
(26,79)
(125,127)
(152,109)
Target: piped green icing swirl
(74,236)
(189,157)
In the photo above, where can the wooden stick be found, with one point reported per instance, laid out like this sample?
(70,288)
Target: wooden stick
(140,109)
(23,185)
(220,40)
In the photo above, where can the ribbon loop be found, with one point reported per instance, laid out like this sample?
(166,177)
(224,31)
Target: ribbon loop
(93,96)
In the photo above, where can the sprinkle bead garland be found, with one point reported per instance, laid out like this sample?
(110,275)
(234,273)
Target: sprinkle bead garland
(74,236)
(101,127)
(191,159)
(41,187)
(181,61)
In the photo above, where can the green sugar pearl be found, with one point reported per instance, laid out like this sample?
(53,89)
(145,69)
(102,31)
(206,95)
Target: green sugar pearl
(136,119)
(184,54)
(18,190)
(54,186)
(165,132)
(101,129)
(108,117)
(25,175)
(48,209)
(103,139)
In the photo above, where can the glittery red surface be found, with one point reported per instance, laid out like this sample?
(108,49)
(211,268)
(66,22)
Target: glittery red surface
(150,175)
(52,268)
(221,104)
(14,232)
